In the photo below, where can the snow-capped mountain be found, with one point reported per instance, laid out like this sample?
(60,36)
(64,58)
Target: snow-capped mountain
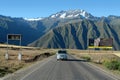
(33,19)
(82,14)
(72,14)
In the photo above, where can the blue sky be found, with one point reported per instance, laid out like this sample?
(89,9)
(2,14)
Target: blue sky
(44,8)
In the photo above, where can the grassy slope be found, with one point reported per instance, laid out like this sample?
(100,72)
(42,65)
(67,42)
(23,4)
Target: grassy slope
(76,35)
(13,64)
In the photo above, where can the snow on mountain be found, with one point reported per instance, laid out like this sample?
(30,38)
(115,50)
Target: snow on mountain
(63,15)
(66,14)
(71,14)
(33,19)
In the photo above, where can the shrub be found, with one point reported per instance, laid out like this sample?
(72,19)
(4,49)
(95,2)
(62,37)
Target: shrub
(112,65)
(119,68)
(86,58)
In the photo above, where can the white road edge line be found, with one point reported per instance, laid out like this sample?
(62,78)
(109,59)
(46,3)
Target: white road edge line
(107,73)
(35,69)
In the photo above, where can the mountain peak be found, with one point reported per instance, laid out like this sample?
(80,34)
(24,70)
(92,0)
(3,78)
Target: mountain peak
(72,14)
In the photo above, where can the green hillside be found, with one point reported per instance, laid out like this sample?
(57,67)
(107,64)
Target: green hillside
(76,35)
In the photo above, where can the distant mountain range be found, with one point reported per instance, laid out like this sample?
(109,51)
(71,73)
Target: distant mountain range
(64,29)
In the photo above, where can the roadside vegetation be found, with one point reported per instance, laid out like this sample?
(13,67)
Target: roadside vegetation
(104,59)
(112,65)
(87,58)
(29,57)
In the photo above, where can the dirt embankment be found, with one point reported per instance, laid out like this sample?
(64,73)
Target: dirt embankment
(29,56)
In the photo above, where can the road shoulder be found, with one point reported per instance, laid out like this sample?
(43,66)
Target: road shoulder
(102,69)
(27,70)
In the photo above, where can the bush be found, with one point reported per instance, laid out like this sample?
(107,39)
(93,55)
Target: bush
(112,65)
(4,71)
(119,68)
(86,58)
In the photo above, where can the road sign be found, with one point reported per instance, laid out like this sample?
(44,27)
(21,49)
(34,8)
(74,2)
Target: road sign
(14,36)
(101,43)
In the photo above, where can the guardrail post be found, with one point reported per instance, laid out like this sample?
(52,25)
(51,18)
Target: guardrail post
(19,56)
(6,56)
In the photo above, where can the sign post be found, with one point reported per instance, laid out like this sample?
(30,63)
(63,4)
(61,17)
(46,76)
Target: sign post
(14,37)
(101,43)
(6,54)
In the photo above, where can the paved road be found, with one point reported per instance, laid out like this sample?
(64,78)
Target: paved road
(68,70)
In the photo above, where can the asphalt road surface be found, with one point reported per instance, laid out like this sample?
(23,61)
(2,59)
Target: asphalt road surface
(72,69)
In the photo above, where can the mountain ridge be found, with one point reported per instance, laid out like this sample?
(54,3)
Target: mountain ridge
(76,35)
(35,29)
(71,14)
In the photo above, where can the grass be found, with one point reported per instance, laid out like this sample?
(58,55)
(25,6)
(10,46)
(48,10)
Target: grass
(107,60)
(112,65)
(13,64)
(87,58)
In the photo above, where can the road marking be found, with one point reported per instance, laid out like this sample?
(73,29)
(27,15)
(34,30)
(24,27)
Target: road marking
(102,70)
(42,63)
